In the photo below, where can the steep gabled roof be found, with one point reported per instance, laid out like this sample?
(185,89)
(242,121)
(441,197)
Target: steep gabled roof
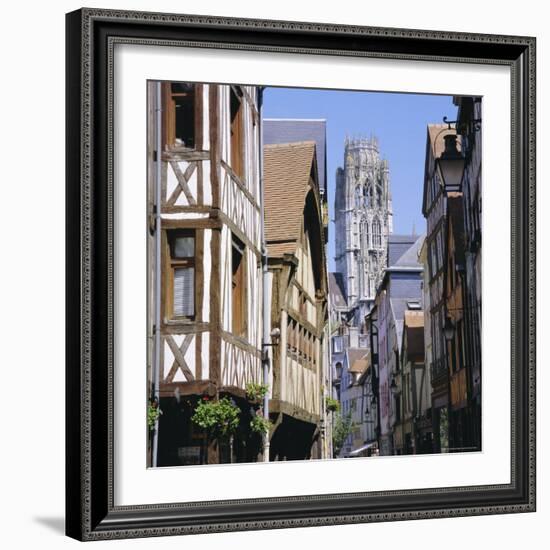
(398,245)
(356,359)
(411,256)
(336,289)
(288,169)
(288,130)
(398,307)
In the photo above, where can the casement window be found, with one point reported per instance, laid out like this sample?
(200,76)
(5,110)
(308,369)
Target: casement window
(239,297)
(179,125)
(237,134)
(180,280)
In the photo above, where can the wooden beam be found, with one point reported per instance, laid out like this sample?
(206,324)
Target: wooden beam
(184,327)
(233,390)
(163,183)
(199,285)
(215,307)
(215,145)
(198,387)
(184,223)
(183,180)
(179,357)
(189,155)
(297,316)
(279,406)
(200,184)
(224,218)
(240,185)
(199,106)
(240,343)
(186,209)
(252,105)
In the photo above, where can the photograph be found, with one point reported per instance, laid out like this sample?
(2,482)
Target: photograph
(278,311)
(314,274)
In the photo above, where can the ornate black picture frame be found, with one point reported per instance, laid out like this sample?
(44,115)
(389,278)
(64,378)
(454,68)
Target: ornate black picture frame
(90,510)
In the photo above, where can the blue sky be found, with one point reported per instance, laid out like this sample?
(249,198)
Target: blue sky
(398,121)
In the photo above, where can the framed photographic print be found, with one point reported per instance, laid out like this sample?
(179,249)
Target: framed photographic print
(279,313)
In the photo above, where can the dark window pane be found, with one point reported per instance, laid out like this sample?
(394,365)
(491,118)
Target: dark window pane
(184,247)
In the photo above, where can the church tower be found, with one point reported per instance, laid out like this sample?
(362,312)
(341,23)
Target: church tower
(363,218)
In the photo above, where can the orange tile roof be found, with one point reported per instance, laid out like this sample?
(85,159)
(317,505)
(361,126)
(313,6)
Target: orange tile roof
(287,171)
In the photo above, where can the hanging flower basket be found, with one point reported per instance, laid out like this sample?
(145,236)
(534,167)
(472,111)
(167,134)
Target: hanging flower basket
(153,413)
(256,391)
(332,405)
(219,418)
(260,424)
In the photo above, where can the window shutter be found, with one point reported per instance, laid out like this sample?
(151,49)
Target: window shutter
(184,292)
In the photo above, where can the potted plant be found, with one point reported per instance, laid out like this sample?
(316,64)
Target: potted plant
(331,404)
(259,424)
(220,419)
(256,391)
(153,413)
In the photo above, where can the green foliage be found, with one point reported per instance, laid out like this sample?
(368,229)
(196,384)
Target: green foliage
(260,424)
(255,392)
(153,413)
(219,418)
(331,404)
(342,427)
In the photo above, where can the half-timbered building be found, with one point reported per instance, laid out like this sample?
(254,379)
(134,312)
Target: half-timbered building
(470,129)
(462,432)
(296,258)
(439,137)
(416,399)
(204,251)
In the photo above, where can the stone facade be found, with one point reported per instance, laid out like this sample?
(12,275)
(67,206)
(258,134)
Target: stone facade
(363,218)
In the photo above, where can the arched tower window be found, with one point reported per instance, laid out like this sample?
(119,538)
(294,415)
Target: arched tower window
(357,196)
(376,233)
(365,231)
(379,193)
(366,200)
